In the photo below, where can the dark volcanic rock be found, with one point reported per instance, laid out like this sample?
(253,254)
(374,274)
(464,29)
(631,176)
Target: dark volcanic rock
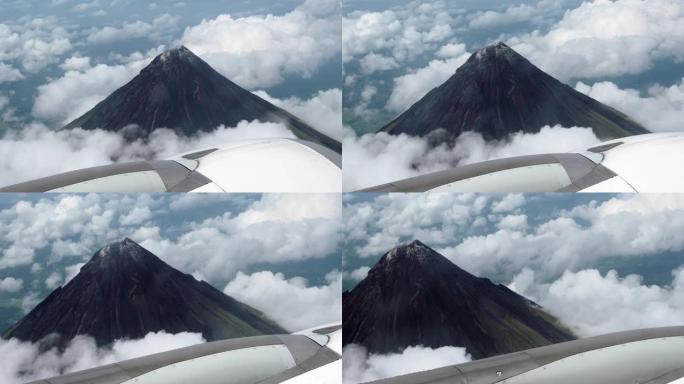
(415,296)
(178,90)
(498,92)
(125,291)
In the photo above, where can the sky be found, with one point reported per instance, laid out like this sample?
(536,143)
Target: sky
(59,58)
(600,263)
(277,253)
(625,53)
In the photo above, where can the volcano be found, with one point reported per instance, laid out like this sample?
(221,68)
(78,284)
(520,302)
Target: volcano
(415,296)
(498,92)
(125,291)
(180,91)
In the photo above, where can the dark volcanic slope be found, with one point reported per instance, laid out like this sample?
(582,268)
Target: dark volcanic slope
(498,92)
(415,296)
(125,291)
(179,90)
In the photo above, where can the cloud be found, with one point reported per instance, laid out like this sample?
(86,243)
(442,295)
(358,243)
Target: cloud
(358,274)
(277,228)
(594,304)
(513,222)
(550,242)
(268,229)
(323,111)
(509,203)
(269,47)
(660,110)
(9,73)
(623,226)
(160,26)
(361,367)
(71,271)
(67,150)
(517,13)
(53,280)
(592,40)
(29,301)
(405,32)
(373,62)
(61,100)
(374,159)
(76,63)
(290,302)
(34,42)
(411,87)
(136,216)
(11,284)
(381,224)
(24,361)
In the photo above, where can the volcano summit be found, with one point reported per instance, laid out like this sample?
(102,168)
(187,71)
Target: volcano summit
(415,296)
(125,291)
(180,91)
(498,92)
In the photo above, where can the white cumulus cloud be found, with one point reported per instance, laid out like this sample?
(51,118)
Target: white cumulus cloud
(607,38)
(11,284)
(24,361)
(593,304)
(661,109)
(379,158)
(293,302)
(259,51)
(361,367)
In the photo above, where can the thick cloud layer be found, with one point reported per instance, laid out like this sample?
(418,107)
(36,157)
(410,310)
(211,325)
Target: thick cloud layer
(323,111)
(33,42)
(594,304)
(405,32)
(272,229)
(82,86)
(660,110)
(374,159)
(24,361)
(412,86)
(499,235)
(292,303)
(269,47)
(361,367)
(277,228)
(67,150)
(606,38)
(623,226)
(434,218)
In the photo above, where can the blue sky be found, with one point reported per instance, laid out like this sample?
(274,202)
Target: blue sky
(244,245)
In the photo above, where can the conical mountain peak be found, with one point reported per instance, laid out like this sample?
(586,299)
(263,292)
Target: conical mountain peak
(175,56)
(125,291)
(498,92)
(415,252)
(415,296)
(498,51)
(180,91)
(123,254)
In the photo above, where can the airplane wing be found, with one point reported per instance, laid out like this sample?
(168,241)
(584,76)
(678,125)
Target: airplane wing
(647,356)
(566,172)
(264,165)
(273,359)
